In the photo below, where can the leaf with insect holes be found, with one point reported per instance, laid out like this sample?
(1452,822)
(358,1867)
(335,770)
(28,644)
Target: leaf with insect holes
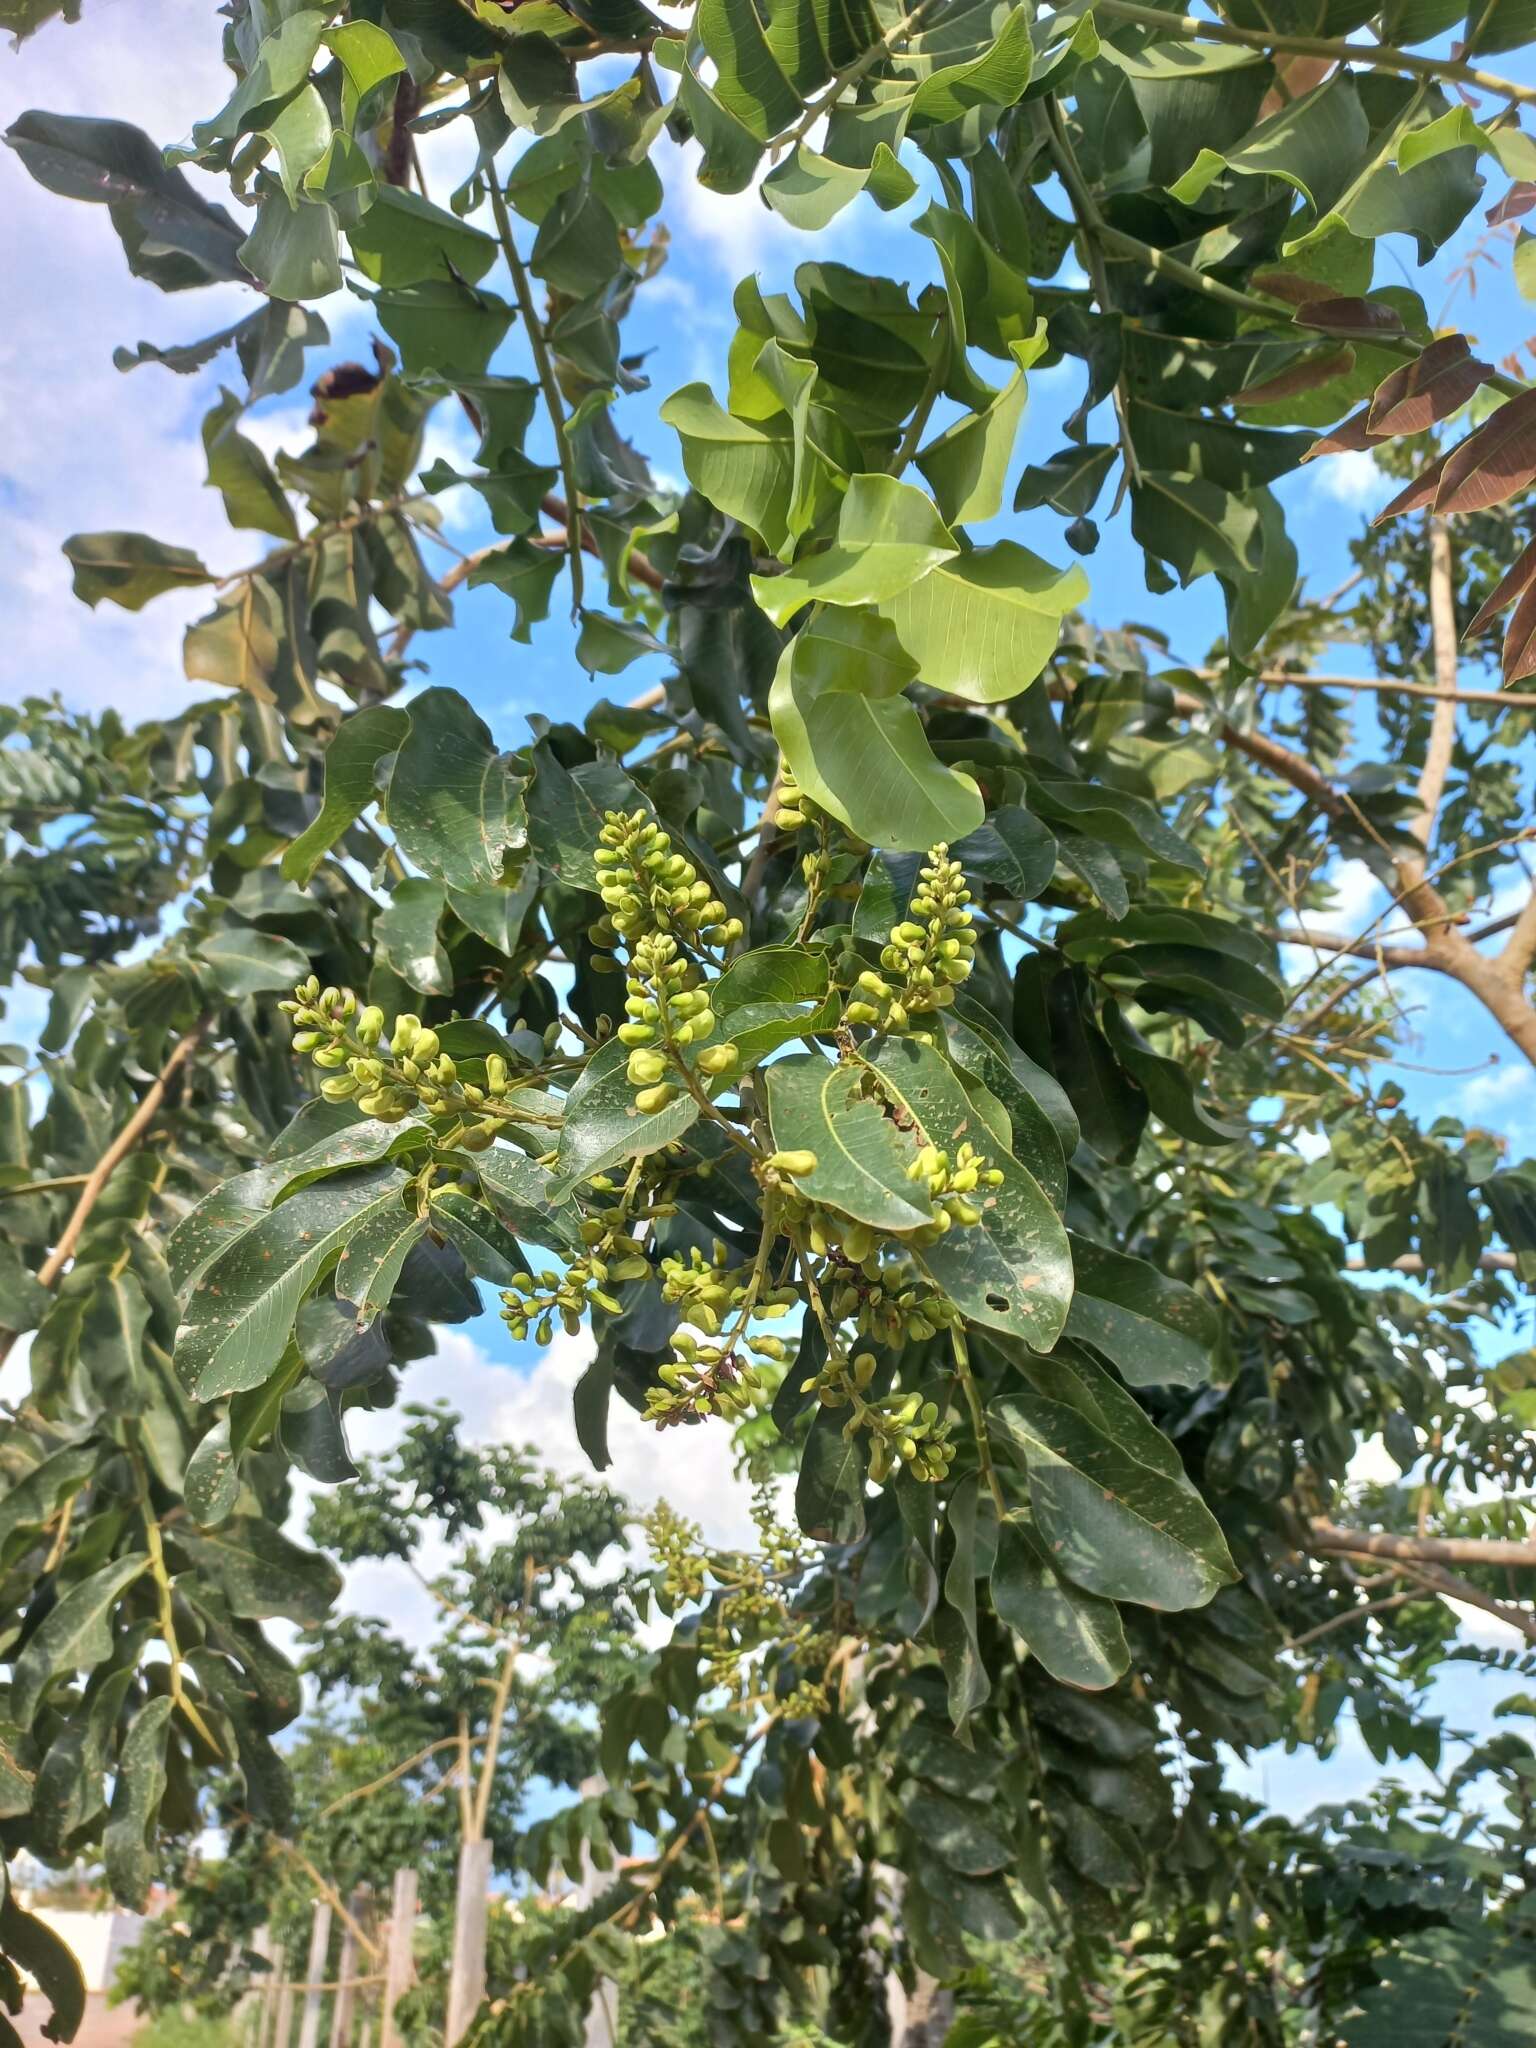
(1437,383)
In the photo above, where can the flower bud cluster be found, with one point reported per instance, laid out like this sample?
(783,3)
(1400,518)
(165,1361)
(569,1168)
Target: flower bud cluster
(892,1306)
(792,807)
(647,887)
(678,1548)
(953,1187)
(390,1069)
(666,1011)
(703,1379)
(612,1254)
(708,1290)
(900,1426)
(929,953)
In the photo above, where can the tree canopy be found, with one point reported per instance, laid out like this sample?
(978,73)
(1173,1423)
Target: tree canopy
(884,1035)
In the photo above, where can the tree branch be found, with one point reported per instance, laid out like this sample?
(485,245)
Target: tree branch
(1442,730)
(534,329)
(96,1180)
(1389,686)
(1324,1538)
(1449,1587)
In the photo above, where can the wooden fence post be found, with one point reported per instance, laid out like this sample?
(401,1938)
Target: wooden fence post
(471,1907)
(602,2025)
(398,1968)
(344,2005)
(282,2022)
(314,1974)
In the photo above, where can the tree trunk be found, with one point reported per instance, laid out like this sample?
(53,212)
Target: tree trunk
(471,1907)
(398,1969)
(930,2014)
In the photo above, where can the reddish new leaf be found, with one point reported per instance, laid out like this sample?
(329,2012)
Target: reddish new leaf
(1519,199)
(1364,317)
(1419,493)
(1515,584)
(1347,439)
(1305,374)
(1520,641)
(1493,462)
(1421,392)
(1290,286)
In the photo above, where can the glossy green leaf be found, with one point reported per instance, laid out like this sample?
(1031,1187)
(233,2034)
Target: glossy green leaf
(888,535)
(984,625)
(602,1125)
(406,931)
(239,1316)
(856,745)
(1110,1499)
(404,239)
(244,961)
(1156,1330)
(1077,1636)
(829,1491)
(452,796)
(241,474)
(1012,1271)
(76,1635)
(351,768)
(862,1156)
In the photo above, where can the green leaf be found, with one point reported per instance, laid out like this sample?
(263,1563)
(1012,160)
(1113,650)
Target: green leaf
(128,1844)
(996,78)
(367,56)
(404,239)
(984,625)
(406,934)
(1159,1332)
(566,807)
(48,1960)
(829,1492)
(1076,1636)
(1195,526)
(862,1156)
(260,1572)
(967,465)
(856,746)
(34,1499)
(248,962)
(239,1317)
(450,330)
(111,1340)
(810,190)
(241,475)
(1114,815)
(955,1623)
(129,568)
(170,234)
(962,1832)
(602,1125)
(74,1636)
(213,1478)
(771,996)
(520,1189)
(607,646)
(279,66)
(1012,851)
(1013,1270)
(888,535)
(1110,1499)
(351,766)
(452,795)
(743,467)
(488,1248)
(293,252)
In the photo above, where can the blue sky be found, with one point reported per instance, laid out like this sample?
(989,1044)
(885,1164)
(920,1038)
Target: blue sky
(82,448)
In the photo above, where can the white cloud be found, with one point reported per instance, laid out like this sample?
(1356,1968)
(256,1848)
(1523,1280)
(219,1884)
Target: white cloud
(1352,479)
(691,1469)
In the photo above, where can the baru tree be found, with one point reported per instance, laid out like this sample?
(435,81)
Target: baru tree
(876,1035)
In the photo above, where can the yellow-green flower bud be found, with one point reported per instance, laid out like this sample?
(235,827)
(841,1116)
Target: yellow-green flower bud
(650,1100)
(793,1163)
(370,1025)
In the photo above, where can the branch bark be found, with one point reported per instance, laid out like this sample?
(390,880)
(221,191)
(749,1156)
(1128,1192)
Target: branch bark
(136,1129)
(1323,1538)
